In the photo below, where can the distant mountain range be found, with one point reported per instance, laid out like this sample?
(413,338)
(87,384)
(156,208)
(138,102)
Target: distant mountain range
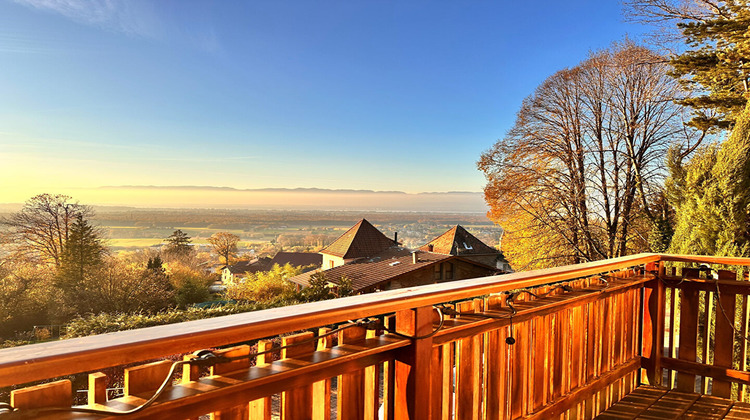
(321,190)
(281,198)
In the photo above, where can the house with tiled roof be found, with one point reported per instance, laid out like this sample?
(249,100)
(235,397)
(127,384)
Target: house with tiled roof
(458,241)
(372,261)
(413,269)
(361,241)
(238,270)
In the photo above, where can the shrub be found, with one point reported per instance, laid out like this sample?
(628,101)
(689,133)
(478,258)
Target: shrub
(107,322)
(264,286)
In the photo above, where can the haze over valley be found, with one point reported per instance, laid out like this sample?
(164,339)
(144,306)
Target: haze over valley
(281,198)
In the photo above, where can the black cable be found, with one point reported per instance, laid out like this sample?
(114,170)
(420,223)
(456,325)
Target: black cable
(209,358)
(710,272)
(141,407)
(724,312)
(205,358)
(421,337)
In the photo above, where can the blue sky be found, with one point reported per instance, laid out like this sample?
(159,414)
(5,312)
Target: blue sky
(382,95)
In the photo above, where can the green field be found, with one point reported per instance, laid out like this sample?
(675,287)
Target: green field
(133,242)
(142,228)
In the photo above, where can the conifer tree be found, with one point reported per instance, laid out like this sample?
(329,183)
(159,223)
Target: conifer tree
(178,243)
(82,255)
(716,64)
(711,194)
(82,250)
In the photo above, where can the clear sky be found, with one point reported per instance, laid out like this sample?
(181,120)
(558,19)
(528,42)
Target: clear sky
(352,94)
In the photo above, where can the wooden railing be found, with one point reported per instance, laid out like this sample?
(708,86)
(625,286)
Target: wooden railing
(576,344)
(700,314)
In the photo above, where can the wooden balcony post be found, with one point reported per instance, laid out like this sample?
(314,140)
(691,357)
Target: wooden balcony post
(412,371)
(653,327)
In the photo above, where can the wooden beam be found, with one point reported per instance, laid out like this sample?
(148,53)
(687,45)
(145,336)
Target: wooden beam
(725,286)
(653,330)
(412,399)
(688,336)
(705,259)
(542,307)
(699,369)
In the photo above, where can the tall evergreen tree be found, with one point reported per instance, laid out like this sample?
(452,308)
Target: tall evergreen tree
(711,194)
(716,62)
(178,243)
(82,255)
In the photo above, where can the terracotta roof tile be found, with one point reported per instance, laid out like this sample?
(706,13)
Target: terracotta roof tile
(299,259)
(252,266)
(361,240)
(458,241)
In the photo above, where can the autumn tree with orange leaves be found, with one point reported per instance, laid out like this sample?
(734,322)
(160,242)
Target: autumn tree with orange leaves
(579,175)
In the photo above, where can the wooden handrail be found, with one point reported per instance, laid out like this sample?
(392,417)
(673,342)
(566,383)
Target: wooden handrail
(705,259)
(39,361)
(569,344)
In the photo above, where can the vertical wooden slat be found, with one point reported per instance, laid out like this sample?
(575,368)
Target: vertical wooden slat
(519,371)
(389,379)
(260,409)
(497,395)
(189,372)
(497,358)
(592,338)
(97,393)
(541,366)
(442,383)
(703,351)
(557,366)
(724,337)
(639,309)
(53,394)
(350,400)
(146,379)
(468,367)
(235,365)
(479,362)
(241,411)
(673,334)
(578,346)
(653,319)
(412,368)
(372,386)
(743,342)
(296,404)
(605,356)
(688,330)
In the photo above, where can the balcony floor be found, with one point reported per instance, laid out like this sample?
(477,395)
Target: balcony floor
(648,402)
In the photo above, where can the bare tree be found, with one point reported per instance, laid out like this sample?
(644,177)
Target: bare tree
(673,11)
(40,229)
(579,168)
(224,244)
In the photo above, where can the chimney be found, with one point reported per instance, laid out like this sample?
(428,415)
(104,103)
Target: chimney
(395,238)
(414,257)
(430,247)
